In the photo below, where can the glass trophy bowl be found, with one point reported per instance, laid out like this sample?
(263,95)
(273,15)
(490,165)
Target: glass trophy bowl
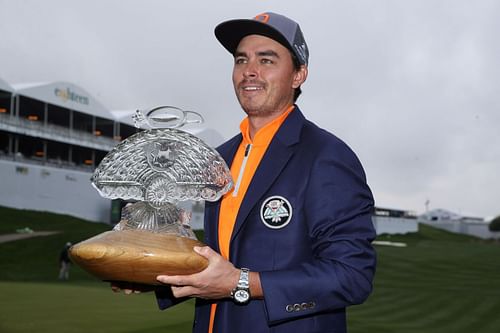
(154,170)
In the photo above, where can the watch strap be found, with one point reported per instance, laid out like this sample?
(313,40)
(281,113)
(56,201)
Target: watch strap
(244,281)
(242,288)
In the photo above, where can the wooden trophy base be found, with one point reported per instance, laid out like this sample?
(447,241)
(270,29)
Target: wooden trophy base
(137,256)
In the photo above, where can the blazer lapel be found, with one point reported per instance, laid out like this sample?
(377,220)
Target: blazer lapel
(275,159)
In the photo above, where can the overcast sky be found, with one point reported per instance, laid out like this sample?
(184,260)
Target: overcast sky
(412,86)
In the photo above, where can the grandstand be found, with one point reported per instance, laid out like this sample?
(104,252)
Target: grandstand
(52,136)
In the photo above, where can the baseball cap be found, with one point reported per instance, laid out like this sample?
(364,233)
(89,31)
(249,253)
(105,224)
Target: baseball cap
(275,26)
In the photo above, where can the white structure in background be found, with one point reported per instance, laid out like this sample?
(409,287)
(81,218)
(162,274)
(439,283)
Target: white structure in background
(52,136)
(394,221)
(446,220)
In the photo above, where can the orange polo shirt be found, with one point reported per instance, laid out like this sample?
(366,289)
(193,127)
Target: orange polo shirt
(245,162)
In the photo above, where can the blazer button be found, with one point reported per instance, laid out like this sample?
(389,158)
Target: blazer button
(296,307)
(289,308)
(311,305)
(304,306)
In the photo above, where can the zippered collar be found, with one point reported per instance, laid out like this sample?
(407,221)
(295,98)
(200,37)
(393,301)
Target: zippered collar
(264,135)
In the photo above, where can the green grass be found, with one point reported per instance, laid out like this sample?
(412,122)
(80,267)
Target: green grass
(37,258)
(33,300)
(70,307)
(441,282)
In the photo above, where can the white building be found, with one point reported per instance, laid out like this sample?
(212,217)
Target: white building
(394,221)
(453,222)
(52,136)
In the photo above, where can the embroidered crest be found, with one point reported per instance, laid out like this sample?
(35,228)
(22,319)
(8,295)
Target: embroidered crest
(276,212)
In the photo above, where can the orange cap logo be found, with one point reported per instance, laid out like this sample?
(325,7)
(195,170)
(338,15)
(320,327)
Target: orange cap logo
(262,18)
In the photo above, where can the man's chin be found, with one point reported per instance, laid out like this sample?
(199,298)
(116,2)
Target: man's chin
(255,112)
(259,113)
(251,109)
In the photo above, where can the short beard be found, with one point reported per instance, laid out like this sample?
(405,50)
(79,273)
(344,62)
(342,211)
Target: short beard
(260,112)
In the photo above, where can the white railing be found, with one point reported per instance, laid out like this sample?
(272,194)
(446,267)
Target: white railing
(54,132)
(49,162)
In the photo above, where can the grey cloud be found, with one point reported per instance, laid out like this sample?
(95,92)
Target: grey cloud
(412,86)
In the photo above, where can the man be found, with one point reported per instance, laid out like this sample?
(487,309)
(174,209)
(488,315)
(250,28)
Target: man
(64,262)
(289,248)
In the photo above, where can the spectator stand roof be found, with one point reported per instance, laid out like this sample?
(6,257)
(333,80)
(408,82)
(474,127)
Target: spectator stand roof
(64,94)
(5,86)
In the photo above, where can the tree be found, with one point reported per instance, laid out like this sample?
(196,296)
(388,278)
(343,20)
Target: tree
(495,224)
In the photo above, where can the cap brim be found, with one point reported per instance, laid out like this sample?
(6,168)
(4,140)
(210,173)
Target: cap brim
(230,33)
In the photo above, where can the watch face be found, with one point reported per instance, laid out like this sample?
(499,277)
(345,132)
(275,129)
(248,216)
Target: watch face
(241,296)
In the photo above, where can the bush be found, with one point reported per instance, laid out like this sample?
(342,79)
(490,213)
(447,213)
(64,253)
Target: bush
(495,224)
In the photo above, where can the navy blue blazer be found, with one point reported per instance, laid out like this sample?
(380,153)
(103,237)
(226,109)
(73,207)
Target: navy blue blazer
(318,258)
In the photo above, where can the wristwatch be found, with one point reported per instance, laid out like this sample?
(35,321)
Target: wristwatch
(241,294)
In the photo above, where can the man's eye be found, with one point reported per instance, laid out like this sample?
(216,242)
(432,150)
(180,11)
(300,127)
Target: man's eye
(239,60)
(266,61)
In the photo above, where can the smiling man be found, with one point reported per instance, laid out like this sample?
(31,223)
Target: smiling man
(289,248)
(265,79)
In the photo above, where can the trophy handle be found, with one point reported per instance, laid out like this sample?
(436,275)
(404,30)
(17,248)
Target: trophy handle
(166,116)
(192,117)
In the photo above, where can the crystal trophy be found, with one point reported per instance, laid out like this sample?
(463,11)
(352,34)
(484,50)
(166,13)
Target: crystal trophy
(154,170)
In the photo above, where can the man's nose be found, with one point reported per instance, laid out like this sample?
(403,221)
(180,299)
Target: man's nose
(250,70)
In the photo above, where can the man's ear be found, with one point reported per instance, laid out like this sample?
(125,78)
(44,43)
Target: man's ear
(300,76)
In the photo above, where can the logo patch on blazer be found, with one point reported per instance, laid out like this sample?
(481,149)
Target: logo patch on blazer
(276,212)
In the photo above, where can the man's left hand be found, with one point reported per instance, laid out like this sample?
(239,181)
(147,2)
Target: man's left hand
(214,282)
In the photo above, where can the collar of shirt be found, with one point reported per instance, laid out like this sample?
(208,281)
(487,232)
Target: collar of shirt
(264,135)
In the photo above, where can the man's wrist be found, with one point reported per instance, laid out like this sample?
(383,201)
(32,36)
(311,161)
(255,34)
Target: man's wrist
(241,293)
(235,276)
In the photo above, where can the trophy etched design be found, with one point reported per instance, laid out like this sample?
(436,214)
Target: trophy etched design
(154,170)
